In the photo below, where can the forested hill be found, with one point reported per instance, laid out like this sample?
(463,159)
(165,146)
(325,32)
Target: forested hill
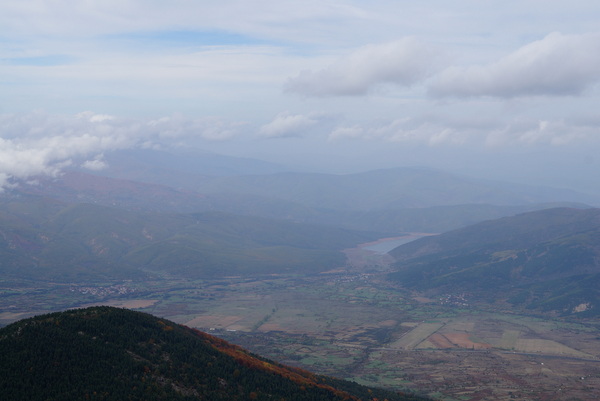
(105,353)
(547,260)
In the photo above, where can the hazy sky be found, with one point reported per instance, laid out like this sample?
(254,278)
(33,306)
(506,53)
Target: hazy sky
(506,89)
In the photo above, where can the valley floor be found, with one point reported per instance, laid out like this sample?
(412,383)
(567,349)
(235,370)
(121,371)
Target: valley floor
(351,324)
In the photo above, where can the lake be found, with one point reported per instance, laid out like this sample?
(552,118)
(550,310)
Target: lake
(385,245)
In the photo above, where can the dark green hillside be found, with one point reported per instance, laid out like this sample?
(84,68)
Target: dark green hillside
(547,260)
(433,219)
(106,353)
(88,242)
(33,246)
(522,230)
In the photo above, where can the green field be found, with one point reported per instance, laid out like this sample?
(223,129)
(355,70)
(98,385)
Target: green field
(352,325)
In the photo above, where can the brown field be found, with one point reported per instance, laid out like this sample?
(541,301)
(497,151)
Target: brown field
(464,355)
(548,347)
(455,340)
(221,322)
(10,315)
(137,303)
(424,300)
(358,326)
(463,340)
(125,303)
(440,341)
(416,336)
(270,327)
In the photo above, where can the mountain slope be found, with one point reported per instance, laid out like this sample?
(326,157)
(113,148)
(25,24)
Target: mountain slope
(105,353)
(547,260)
(53,241)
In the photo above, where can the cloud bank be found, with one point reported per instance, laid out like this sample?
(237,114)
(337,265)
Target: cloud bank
(487,133)
(403,62)
(557,65)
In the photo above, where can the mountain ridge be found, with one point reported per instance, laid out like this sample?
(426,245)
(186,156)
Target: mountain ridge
(399,187)
(78,187)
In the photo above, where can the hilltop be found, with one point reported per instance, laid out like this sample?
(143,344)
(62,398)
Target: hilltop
(105,353)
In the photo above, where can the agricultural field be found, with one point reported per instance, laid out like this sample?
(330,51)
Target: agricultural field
(352,324)
(370,334)
(355,326)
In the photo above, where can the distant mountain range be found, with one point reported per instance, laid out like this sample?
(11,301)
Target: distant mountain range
(105,353)
(407,187)
(388,201)
(78,187)
(546,260)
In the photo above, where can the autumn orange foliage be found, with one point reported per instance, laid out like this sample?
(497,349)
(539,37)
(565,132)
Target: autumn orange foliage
(297,375)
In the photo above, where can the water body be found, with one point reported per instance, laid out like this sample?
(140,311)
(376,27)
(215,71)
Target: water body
(385,245)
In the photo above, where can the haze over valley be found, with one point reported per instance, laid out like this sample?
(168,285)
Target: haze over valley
(285,264)
(382,200)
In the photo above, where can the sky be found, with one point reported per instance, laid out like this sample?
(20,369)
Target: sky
(499,89)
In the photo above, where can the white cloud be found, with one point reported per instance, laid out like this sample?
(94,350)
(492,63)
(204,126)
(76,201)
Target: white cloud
(345,132)
(37,143)
(95,164)
(231,58)
(286,125)
(402,130)
(530,132)
(42,144)
(403,62)
(177,127)
(557,65)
